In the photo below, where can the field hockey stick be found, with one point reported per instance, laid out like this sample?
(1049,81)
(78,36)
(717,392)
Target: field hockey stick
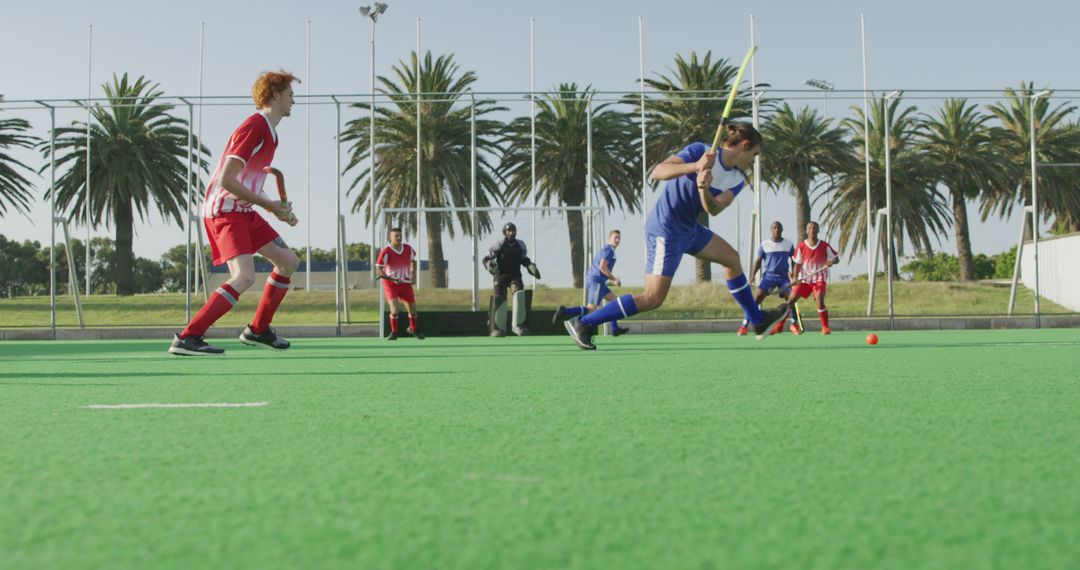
(809,275)
(387,277)
(280,178)
(798,316)
(731,98)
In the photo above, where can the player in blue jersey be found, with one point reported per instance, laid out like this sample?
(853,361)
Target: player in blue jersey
(700,180)
(775,255)
(596,284)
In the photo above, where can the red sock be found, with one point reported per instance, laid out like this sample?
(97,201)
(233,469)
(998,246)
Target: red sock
(824,314)
(413,323)
(393,323)
(219,303)
(276,287)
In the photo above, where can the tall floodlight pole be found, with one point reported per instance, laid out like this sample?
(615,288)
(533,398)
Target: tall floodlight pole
(532,134)
(307,157)
(1035,202)
(373,13)
(824,87)
(755,227)
(52,220)
(89,94)
(187,247)
(866,156)
(198,141)
(419,197)
(472,200)
(888,202)
(644,137)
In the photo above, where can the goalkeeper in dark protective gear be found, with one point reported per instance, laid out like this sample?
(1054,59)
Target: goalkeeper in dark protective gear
(504,261)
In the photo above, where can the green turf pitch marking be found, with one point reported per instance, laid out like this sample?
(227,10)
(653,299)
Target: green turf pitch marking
(175,406)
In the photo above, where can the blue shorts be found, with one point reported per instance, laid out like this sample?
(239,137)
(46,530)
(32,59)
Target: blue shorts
(664,252)
(771,282)
(595,291)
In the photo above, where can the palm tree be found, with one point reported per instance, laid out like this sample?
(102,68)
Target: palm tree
(15,189)
(561,159)
(139,159)
(445,140)
(801,146)
(1056,141)
(959,142)
(919,210)
(693,100)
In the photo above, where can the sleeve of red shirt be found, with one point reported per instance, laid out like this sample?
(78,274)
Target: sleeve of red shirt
(247,139)
(798,254)
(381,259)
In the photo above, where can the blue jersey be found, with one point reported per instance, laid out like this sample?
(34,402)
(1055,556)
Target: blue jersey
(606,253)
(776,256)
(677,208)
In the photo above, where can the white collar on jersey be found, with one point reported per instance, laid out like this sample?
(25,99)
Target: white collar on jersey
(397,251)
(273,131)
(807,242)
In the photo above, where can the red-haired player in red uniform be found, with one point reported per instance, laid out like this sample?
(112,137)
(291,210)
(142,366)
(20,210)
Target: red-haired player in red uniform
(237,231)
(396,264)
(813,258)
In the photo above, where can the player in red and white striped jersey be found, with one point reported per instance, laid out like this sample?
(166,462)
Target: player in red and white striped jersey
(237,231)
(813,258)
(396,263)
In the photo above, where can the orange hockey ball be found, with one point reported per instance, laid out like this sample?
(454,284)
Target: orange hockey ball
(871,339)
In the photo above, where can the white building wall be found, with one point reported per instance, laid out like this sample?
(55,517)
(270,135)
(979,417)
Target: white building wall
(1059,269)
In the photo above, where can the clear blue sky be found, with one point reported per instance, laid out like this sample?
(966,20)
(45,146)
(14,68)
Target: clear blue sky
(911,45)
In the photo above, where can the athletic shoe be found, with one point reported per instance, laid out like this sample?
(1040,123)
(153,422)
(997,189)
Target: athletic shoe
(779,328)
(742,331)
(772,316)
(520,331)
(419,335)
(267,338)
(498,333)
(825,329)
(794,329)
(193,346)
(391,336)
(619,331)
(560,313)
(580,333)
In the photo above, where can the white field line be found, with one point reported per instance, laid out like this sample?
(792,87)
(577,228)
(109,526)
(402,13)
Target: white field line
(172,406)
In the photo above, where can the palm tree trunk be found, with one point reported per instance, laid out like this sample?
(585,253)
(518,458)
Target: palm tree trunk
(436,261)
(125,258)
(576,226)
(702,268)
(802,209)
(963,237)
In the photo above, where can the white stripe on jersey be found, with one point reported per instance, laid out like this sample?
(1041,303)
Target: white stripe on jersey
(658,257)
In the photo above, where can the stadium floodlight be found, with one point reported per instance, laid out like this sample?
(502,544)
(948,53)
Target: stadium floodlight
(1043,93)
(820,84)
(373,12)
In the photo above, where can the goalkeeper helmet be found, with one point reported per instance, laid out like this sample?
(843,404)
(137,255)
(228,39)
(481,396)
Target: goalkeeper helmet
(509,226)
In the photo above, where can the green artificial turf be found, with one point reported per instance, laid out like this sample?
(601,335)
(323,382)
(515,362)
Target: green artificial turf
(931,450)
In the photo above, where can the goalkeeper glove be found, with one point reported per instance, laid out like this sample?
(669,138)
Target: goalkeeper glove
(492,266)
(533,270)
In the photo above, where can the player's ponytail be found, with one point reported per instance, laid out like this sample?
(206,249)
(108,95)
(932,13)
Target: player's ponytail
(739,132)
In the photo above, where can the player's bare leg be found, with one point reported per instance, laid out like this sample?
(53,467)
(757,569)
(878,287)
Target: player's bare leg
(720,251)
(259,332)
(394,312)
(414,323)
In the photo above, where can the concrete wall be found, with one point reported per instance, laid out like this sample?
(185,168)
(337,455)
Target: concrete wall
(1059,269)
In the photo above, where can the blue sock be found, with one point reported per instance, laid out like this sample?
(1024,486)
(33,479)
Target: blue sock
(623,307)
(614,325)
(574,311)
(740,290)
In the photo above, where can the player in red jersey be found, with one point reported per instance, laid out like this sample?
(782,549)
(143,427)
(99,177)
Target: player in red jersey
(396,264)
(237,231)
(813,258)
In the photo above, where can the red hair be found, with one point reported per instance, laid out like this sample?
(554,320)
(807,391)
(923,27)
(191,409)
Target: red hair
(270,83)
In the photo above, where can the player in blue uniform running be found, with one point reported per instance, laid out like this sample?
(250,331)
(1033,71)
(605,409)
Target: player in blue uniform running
(775,254)
(700,181)
(596,284)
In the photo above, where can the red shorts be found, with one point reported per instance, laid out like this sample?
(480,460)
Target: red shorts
(237,233)
(803,290)
(403,291)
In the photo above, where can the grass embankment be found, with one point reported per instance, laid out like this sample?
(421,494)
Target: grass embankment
(707,301)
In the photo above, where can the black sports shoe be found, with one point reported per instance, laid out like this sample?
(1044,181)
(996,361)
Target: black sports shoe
(580,333)
(560,313)
(619,331)
(391,336)
(268,338)
(193,346)
(772,316)
(419,335)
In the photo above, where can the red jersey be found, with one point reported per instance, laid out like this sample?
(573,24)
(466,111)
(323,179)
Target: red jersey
(397,263)
(813,259)
(254,142)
